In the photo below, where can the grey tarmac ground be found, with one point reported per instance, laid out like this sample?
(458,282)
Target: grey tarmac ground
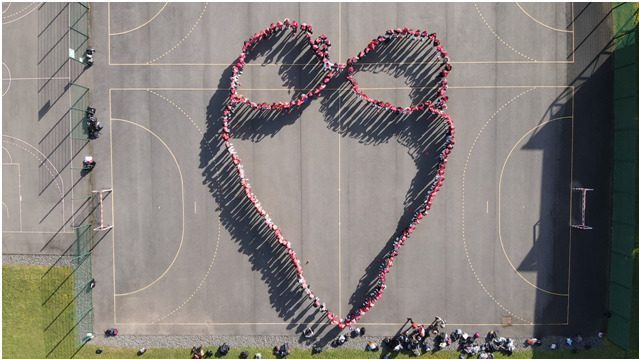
(530,93)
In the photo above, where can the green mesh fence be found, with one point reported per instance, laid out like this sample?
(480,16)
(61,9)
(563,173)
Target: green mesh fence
(56,293)
(65,288)
(82,281)
(78,30)
(67,299)
(79,96)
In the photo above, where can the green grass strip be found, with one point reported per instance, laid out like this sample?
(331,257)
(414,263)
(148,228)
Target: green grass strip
(608,351)
(24,317)
(624,277)
(21,311)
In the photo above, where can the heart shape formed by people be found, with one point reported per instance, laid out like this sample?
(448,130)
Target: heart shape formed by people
(319,47)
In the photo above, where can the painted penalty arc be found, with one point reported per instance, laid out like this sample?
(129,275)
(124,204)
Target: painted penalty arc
(177,253)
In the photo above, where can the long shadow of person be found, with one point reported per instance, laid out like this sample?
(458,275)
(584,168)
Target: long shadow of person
(423,134)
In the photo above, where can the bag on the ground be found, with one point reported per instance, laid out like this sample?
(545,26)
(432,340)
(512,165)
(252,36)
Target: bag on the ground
(224,349)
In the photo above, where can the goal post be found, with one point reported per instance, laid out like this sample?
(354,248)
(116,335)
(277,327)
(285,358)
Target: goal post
(101,195)
(583,204)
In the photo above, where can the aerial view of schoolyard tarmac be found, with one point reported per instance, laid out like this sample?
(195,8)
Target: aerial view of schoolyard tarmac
(320,180)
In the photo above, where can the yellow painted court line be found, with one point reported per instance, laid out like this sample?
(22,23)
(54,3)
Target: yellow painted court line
(463,201)
(177,253)
(140,26)
(539,22)
(212,89)
(463,185)
(501,175)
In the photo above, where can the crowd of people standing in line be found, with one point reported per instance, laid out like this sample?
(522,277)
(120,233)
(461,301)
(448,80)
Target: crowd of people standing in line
(320,46)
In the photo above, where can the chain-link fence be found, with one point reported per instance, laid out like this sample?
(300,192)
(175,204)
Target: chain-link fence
(80,101)
(78,30)
(83,280)
(66,287)
(67,301)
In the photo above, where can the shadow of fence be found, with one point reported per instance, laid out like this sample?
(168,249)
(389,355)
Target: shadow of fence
(57,92)
(66,289)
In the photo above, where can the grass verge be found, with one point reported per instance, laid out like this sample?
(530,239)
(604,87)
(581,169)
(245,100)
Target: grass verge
(24,318)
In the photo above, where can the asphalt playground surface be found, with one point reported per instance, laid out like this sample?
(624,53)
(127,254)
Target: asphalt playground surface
(530,94)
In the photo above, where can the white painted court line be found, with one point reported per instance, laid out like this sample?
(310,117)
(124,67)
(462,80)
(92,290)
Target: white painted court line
(19,12)
(572,61)
(17,165)
(140,26)
(541,23)
(572,143)
(112,199)
(9,78)
(499,235)
(339,224)
(177,253)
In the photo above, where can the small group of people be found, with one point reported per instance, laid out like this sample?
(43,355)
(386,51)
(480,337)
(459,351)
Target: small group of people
(573,343)
(343,338)
(282,351)
(413,339)
(199,353)
(93,125)
(422,338)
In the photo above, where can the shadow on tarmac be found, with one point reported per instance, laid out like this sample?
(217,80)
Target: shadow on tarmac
(423,135)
